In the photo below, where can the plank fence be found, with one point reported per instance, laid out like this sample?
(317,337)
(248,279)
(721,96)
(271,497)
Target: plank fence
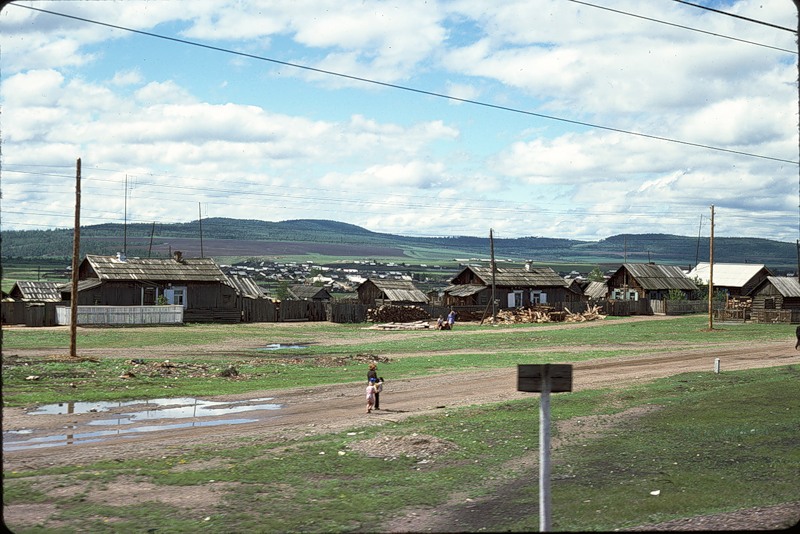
(121,315)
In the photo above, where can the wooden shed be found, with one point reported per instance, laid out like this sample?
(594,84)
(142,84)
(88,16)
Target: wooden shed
(309,292)
(635,281)
(378,291)
(776,300)
(36,291)
(197,284)
(514,287)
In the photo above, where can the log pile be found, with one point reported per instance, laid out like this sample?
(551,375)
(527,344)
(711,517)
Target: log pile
(544,314)
(591,314)
(388,313)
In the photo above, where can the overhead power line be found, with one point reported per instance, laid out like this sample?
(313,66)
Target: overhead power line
(734,15)
(414,90)
(683,27)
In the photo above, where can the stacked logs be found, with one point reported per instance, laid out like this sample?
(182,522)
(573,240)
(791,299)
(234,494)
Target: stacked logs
(387,313)
(543,314)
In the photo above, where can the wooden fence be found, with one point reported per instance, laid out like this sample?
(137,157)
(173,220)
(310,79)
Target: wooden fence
(28,313)
(776,316)
(121,315)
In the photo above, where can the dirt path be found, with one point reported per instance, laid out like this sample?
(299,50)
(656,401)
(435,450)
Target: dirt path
(336,408)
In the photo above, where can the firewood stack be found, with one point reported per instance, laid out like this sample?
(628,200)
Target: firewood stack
(388,313)
(591,314)
(544,314)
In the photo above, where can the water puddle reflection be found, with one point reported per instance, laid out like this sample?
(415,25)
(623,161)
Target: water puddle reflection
(127,421)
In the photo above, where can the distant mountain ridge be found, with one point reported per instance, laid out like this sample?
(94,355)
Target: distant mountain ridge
(223,237)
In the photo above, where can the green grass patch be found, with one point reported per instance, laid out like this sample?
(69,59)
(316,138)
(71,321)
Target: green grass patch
(713,443)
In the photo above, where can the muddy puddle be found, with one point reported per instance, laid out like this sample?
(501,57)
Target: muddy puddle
(130,418)
(281,346)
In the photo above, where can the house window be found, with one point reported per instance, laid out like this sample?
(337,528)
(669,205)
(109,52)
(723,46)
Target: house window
(538,297)
(769,304)
(176,296)
(515,299)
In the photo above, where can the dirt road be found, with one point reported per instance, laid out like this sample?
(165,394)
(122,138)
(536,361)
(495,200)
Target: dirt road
(332,408)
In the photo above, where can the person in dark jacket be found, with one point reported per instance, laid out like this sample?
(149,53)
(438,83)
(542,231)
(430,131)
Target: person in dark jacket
(797,333)
(373,373)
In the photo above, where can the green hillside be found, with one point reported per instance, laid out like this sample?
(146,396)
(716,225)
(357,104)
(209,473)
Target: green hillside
(226,238)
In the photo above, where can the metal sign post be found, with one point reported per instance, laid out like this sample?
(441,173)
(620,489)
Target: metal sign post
(545,379)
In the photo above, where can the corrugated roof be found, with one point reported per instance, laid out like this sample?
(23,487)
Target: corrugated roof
(727,274)
(157,269)
(788,287)
(658,277)
(38,291)
(510,277)
(399,290)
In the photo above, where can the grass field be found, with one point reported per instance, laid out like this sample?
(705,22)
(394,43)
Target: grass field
(708,443)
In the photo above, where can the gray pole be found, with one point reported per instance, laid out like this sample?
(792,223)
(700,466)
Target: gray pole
(544,452)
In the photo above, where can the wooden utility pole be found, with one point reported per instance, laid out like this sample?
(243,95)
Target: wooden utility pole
(76,251)
(711,274)
(494,268)
(125,220)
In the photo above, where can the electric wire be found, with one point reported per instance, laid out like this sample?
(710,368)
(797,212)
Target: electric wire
(741,17)
(415,90)
(683,27)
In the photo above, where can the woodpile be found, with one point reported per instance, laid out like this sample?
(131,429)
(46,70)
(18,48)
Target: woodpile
(545,314)
(389,313)
(591,314)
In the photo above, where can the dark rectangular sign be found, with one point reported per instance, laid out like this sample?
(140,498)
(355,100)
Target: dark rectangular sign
(529,377)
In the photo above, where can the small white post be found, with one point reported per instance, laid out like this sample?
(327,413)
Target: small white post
(544,452)
(716,365)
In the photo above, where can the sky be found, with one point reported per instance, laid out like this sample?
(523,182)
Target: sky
(553,118)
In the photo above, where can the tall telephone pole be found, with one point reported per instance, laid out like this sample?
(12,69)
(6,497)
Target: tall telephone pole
(711,274)
(76,251)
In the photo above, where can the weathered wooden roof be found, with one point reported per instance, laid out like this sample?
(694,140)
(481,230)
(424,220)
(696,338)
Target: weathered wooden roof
(157,269)
(246,287)
(596,290)
(463,290)
(787,287)
(727,274)
(518,277)
(305,291)
(398,290)
(37,291)
(659,277)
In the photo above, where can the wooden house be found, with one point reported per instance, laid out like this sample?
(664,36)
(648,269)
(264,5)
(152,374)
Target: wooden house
(309,292)
(378,291)
(736,279)
(36,291)
(776,299)
(513,287)
(636,281)
(198,284)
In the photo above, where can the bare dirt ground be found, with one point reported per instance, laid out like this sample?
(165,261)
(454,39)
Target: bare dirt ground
(340,407)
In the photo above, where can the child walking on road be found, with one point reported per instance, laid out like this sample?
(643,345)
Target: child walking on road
(371,391)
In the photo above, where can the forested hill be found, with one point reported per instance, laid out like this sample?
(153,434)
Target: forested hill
(247,238)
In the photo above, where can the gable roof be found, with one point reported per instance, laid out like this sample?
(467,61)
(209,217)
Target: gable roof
(656,277)
(156,269)
(518,277)
(786,286)
(34,290)
(305,291)
(398,290)
(728,274)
